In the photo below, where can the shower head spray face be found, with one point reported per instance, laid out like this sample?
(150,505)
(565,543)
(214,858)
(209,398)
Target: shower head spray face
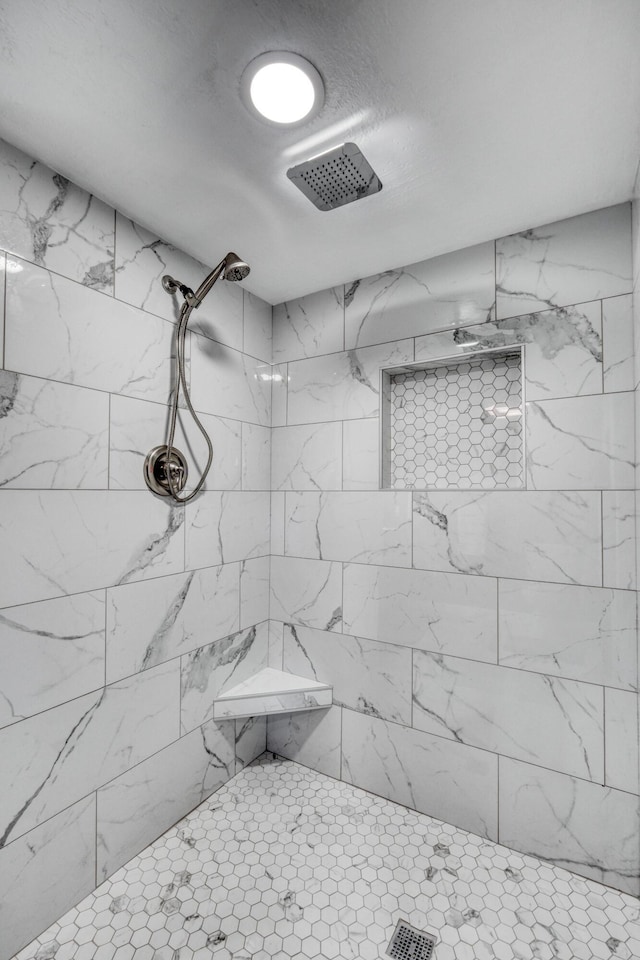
(235,268)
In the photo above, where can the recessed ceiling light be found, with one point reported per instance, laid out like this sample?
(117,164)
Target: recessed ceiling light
(282,88)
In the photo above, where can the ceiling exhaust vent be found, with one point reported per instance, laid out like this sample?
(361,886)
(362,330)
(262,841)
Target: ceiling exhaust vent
(339,176)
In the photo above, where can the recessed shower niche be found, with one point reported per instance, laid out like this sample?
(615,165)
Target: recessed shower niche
(454,422)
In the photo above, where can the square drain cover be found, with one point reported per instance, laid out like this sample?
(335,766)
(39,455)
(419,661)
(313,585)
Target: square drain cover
(407,943)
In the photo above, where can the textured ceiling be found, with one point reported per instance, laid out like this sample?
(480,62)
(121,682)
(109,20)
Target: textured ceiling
(481,117)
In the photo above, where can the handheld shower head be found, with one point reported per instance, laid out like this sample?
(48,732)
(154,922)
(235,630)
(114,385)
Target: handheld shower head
(235,268)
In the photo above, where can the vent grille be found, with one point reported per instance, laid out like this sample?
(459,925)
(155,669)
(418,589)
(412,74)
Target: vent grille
(407,943)
(340,176)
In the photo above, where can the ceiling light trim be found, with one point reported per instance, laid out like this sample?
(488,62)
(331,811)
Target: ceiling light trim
(291,59)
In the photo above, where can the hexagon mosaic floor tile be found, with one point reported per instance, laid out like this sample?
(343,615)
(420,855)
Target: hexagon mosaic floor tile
(283,862)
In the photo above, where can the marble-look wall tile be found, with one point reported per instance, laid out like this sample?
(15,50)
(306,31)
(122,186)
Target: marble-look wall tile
(143,802)
(572,261)
(53,759)
(341,386)
(617,326)
(3,277)
(529,535)
(277,523)
(554,722)
(138,426)
(307,592)
(312,738)
(153,621)
(584,443)
(52,222)
(254,591)
(361,455)
(207,671)
(563,348)
(453,290)
(583,633)
(307,457)
(363,527)
(50,652)
(310,326)
(251,740)
(279,394)
(371,677)
(45,873)
(276,645)
(61,542)
(619,538)
(257,327)
(256,457)
(622,752)
(228,383)
(227,526)
(441,612)
(52,435)
(447,780)
(60,330)
(574,824)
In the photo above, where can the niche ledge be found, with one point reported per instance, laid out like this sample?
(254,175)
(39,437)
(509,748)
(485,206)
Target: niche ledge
(271,691)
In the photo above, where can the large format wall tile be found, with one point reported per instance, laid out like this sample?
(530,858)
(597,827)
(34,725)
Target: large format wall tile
(617,326)
(50,652)
(254,591)
(447,780)
(257,340)
(341,386)
(454,290)
(45,873)
(308,592)
(441,612)
(619,519)
(52,435)
(307,457)
(52,760)
(574,824)
(251,740)
(361,454)
(142,803)
(309,326)
(572,261)
(622,753)
(583,633)
(312,738)
(62,331)
(525,534)
(227,526)
(364,527)
(227,383)
(585,443)
(367,676)
(59,542)
(48,220)
(556,723)
(256,457)
(153,621)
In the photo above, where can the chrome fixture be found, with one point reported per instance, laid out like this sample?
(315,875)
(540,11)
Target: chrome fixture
(165,467)
(336,177)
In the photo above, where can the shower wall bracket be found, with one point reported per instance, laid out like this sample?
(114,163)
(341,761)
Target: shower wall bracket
(269,692)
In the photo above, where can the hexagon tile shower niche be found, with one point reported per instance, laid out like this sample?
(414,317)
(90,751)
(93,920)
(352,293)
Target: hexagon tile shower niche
(454,422)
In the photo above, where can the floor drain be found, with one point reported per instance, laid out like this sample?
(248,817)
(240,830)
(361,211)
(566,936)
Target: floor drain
(407,943)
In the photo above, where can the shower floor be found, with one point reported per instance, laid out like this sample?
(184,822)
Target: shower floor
(284,862)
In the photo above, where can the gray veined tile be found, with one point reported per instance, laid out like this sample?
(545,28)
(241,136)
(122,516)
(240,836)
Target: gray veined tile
(574,824)
(62,542)
(251,740)
(207,671)
(447,780)
(441,612)
(50,221)
(254,591)
(530,535)
(309,326)
(257,327)
(45,873)
(371,677)
(53,759)
(279,391)
(583,443)
(312,738)
(51,652)
(571,261)
(622,750)
(143,802)
(361,455)
(307,457)
(619,538)
(52,435)
(308,592)
(276,645)
(583,633)
(453,290)
(617,326)
(256,457)
(554,722)
(227,526)
(353,526)
(277,523)
(156,620)
(228,383)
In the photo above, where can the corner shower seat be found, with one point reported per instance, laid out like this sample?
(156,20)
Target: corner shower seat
(271,691)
